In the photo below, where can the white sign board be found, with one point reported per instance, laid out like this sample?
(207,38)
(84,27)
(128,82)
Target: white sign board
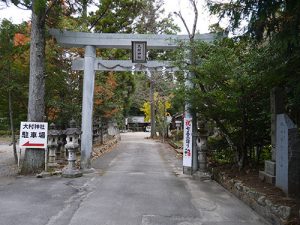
(187,142)
(139,51)
(33,135)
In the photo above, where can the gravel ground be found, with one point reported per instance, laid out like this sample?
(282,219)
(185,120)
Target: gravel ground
(7,163)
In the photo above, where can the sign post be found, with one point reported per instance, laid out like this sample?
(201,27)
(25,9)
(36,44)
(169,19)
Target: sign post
(33,135)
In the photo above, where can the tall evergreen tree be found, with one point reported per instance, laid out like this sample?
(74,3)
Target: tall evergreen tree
(275,24)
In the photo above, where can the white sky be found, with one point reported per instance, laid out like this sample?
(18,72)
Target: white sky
(18,15)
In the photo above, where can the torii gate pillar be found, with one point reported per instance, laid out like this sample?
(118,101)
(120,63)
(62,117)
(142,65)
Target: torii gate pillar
(87,108)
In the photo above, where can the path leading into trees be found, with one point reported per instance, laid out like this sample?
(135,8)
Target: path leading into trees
(140,182)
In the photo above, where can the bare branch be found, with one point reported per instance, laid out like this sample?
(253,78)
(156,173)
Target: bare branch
(51,5)
(191,34)
(183,21)
(99,18)
(193,2)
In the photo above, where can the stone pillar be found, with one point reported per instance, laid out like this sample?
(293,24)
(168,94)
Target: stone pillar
(201,146)
(287,156)
(194,144)
(277,107)
(72,136)
(190,158)
(87,108)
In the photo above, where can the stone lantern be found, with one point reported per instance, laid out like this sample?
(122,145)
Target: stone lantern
(178,126)
(202,146)
(72,137)
(53,135)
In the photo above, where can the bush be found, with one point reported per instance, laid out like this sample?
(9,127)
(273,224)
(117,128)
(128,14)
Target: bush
(5,132)
(177,136)
(266,153)
(219,151)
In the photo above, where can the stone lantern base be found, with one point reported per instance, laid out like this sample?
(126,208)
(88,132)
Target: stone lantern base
(87,170)
(71,173)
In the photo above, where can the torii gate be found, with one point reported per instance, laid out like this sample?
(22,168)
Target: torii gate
(91,41)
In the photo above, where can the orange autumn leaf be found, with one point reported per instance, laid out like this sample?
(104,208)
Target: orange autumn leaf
(20,39)
(98,101)
(111,113)
(111,81)
(53,113)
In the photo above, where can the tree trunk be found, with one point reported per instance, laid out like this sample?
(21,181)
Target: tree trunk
(152,108)
(12,126)
(11,121)
(34,158)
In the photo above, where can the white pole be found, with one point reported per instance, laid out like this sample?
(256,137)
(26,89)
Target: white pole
(46,159)
(19,159)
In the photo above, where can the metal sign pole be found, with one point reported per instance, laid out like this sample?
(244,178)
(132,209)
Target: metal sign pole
(19,159)
(46,159)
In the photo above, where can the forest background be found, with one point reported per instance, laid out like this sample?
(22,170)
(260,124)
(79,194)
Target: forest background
(233,76)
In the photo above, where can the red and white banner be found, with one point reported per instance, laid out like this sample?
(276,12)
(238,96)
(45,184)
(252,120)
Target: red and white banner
(187,142)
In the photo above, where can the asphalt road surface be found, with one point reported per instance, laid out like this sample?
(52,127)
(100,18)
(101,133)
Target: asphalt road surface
(140,182)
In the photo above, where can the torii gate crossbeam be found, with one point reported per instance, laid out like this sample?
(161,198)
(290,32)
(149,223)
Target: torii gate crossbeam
(123,41)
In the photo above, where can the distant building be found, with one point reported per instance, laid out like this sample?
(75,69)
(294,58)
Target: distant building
(136,123)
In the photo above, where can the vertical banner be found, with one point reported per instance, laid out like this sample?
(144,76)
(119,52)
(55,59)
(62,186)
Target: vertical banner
(187,142)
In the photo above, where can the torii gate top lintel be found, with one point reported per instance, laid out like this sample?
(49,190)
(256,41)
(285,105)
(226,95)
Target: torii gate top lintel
(123,41)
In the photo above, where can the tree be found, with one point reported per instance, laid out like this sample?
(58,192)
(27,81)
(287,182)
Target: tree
(34,159)
(265,19)
(111,17)
(231,92)
(63,92)
(162,105)
(13,64)
(142,17)
(151,19)
(275,27)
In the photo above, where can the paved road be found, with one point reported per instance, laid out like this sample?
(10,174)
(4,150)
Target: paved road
(138,183)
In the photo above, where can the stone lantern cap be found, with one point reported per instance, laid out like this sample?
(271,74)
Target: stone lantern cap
(202,128)
(73,130)
(53,131)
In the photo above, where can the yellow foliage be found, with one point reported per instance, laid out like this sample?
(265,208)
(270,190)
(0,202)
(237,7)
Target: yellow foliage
(147,111)
(161,104)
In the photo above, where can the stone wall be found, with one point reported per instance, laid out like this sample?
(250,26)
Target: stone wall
(275,214)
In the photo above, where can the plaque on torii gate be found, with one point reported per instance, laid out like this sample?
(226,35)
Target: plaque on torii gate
(139,51)
(91,41)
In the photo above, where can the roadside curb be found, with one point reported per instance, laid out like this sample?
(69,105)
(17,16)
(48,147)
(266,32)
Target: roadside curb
(176,148)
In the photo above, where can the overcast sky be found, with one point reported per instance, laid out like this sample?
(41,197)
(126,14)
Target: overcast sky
(17,15)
